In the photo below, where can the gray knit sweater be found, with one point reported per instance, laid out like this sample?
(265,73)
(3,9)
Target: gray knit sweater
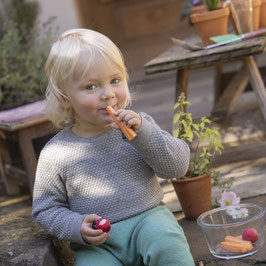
(106,175)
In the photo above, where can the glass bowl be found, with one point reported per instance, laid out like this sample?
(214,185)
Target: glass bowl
(221,224)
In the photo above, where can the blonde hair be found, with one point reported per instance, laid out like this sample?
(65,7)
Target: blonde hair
(63,63)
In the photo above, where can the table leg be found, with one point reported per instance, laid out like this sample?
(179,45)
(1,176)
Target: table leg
(218,77)
(257,83)
(181,86)
(228,99)
(28,154)
(181,83)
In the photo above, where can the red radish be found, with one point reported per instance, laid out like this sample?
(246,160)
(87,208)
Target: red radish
(103,224)
(250,234)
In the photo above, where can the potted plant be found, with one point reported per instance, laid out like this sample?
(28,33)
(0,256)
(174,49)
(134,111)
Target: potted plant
(194,189)
(190,7)
(24,46)
(213,22)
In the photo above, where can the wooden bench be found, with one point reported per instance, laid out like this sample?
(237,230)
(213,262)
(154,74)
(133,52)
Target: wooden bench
(183,61)
(22,125)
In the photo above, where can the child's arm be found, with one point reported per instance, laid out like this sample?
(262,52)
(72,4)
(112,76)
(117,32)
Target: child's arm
(166,155)
(50,203)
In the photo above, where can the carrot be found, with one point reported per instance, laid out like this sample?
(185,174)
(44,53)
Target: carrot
(237,240)
(128,132)
(236,245)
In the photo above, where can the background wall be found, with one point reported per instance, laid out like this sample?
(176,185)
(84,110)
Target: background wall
(64,10)
(141,29)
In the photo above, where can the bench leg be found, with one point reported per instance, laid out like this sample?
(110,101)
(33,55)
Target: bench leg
(28,154)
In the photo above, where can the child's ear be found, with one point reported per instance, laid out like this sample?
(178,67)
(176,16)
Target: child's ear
(64,102)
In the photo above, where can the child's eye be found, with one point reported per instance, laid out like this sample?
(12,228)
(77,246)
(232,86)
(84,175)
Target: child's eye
(91,87)
(115,81)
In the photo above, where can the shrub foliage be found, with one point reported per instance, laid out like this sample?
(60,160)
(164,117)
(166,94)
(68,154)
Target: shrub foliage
(24,46)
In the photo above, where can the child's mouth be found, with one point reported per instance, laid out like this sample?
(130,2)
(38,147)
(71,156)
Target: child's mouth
(103,110)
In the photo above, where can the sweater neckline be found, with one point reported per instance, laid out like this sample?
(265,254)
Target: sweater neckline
(102,135)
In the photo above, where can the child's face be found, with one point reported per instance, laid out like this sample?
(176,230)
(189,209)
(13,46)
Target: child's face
(103,85)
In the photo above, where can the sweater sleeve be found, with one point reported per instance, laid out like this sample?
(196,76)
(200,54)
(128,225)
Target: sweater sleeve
(50,204)
(166,155)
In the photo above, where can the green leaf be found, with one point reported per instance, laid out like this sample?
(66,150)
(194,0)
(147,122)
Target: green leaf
(176,133)
(176,118)
(176,105)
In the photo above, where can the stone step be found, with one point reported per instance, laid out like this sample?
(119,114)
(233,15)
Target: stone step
(23,242)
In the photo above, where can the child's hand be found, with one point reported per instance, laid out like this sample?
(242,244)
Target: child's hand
(90,235)
(129,117)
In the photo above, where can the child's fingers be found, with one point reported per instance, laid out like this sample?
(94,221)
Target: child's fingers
(92,232)
(91,217)
(133,122)
(126,115)
(114,125)
(97,240)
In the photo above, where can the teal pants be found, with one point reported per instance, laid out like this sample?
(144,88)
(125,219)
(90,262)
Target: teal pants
(150,238)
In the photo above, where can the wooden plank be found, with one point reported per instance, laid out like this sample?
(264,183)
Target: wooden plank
(179,58)
(242,152)
(231,94)
(14,201)
(23,123)
(257,83)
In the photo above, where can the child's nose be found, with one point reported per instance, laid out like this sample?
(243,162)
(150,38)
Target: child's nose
(107,93)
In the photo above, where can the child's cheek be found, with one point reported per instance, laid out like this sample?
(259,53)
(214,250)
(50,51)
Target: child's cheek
(123,97)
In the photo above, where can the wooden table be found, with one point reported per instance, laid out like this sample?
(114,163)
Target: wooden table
(22,125)
(182,60)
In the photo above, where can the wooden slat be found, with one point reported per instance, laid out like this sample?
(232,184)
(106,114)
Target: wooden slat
(242,152)
(23,123)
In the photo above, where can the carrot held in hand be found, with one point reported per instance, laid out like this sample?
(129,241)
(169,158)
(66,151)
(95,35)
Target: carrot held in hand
(128,132)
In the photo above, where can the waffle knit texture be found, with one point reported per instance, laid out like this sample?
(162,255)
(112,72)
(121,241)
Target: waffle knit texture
(106,175)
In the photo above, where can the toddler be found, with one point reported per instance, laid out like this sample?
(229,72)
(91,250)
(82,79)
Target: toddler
(89,170)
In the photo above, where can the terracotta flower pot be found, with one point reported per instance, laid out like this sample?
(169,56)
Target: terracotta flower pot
(263,14)
(211,23)
(194,195)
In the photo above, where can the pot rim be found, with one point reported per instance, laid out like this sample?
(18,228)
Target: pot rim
(189,179)
(210,15)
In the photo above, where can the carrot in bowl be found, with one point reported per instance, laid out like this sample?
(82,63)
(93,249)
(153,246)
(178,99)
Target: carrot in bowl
(236,245)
